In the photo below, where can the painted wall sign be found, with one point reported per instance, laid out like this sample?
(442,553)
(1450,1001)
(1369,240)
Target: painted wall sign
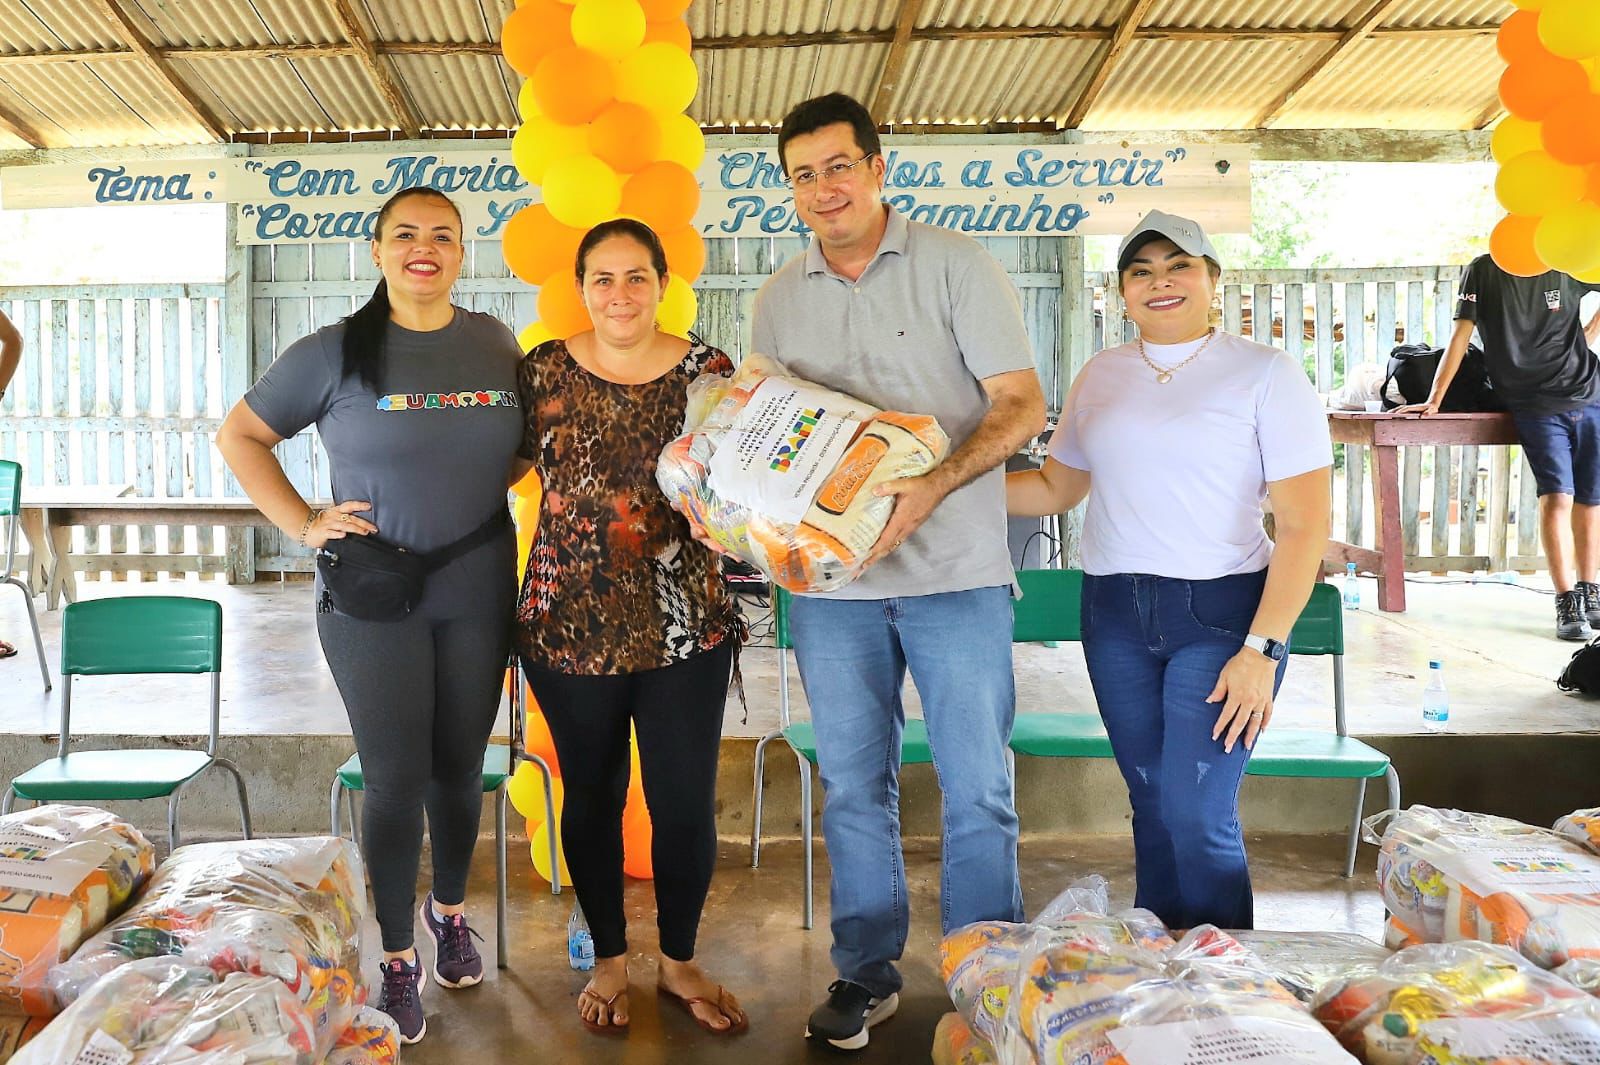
(984,190)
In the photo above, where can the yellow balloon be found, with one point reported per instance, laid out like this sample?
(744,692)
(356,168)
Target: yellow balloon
(682,141)
(1513,137)
(527,103)
(659,76)
(540,846)
(1535,184)
(525,789)
(581,191)
(678,308)
(612,28)
(1570,28)
(534,335)
(540,142)
(1569,238)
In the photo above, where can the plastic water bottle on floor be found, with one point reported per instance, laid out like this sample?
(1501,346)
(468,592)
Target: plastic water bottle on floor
(1352,587)
(580,942)
(1435,701)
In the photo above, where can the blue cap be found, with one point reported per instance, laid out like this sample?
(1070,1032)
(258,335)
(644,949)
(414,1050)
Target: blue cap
(1435,665)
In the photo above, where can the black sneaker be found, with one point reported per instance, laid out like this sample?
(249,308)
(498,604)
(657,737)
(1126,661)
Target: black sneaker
(1591,602)
(1572,622)
(401,998)
(851,1009)
(455,960)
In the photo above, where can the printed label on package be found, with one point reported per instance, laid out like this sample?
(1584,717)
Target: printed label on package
(779,451)
(1227,1040)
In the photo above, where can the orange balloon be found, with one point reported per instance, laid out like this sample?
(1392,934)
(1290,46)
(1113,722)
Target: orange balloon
(534,30)
(1511,245)
(1533,90)
(661,10)
(664,195)
(1571,131)
(536,246)
(572,85)
(637,838)
(536,738)
(560,306)
(670,31)
(1518,39)
(686,252)
(625,136)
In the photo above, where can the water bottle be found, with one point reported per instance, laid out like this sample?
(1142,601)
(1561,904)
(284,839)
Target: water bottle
(1435,701)
(1352,587)
(580,942)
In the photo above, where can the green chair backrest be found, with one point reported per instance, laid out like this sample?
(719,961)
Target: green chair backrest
(1320,628)
(10,488)
(1049,609)
(141,634)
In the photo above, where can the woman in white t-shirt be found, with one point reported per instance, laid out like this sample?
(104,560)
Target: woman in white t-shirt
(1187,605)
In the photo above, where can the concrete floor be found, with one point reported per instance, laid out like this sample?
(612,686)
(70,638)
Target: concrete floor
(1495,640)
(752,941)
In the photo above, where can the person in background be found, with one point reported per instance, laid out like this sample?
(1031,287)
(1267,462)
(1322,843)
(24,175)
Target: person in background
(1541,361)
(10,359)
(908,317)
(415,401)
(1176,439)
(625,620)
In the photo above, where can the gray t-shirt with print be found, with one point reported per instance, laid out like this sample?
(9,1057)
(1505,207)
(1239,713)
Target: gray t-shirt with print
(431,454)
(931,316)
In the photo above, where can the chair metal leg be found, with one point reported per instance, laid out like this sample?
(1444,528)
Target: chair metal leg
(335,794)
(355,816)
(549,819)
(502,939)
(9,800)
(33,623)
(172,820)
(805,830)
(1355,830)
(1393,780)
(244,798)
(760,774)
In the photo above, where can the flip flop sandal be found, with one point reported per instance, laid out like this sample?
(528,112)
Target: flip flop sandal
(603,1029)
(736,1025)
(6,650)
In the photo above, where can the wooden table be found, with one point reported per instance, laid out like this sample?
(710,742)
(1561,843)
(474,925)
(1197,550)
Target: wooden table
(1385,434)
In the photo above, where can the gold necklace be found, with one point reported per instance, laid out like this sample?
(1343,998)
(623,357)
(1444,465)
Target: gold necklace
(1164,373)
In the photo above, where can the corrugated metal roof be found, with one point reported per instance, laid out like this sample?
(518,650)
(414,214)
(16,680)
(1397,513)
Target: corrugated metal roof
(1441,82)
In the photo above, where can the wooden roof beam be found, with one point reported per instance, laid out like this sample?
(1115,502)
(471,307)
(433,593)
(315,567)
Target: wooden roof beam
(1121,40)
(379,71)
(19,128)
(895,62)
(1352,37)
(140,45)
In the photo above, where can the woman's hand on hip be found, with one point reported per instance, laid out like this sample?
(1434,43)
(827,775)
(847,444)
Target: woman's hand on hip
(340,521)
(1245,690)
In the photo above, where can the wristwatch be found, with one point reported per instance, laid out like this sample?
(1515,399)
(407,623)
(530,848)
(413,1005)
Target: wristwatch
(1273,649)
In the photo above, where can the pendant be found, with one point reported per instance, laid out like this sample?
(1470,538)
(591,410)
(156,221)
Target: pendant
(1163,377)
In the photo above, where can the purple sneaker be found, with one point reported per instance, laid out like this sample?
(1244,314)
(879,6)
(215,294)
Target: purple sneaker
(401,998)
(456,962)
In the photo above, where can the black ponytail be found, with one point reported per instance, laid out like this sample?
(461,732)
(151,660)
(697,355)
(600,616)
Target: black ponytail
(366,328)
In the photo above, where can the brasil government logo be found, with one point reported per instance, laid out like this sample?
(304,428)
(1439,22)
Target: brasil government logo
(799,433)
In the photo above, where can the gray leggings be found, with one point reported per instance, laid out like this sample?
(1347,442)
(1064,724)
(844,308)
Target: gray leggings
(422,695)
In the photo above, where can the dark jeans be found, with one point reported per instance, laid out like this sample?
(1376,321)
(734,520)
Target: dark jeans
(1154,647)
(676,712)
(1564,452)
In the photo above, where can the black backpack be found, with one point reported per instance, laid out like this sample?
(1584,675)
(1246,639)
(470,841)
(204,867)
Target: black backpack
(1583,670)
(1412,368)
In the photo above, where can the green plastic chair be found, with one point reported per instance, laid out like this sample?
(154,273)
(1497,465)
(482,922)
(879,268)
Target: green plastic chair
(1049,611)
(119,637)
(11,511)
(499,763)
(802,740)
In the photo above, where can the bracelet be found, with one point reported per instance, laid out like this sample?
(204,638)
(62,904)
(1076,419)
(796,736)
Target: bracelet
(305,527)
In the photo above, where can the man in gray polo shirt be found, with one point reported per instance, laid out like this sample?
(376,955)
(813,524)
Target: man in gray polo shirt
(915,318)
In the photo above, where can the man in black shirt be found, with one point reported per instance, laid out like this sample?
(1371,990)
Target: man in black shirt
(1539,358)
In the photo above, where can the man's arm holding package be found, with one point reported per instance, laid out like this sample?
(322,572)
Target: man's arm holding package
(1016,415)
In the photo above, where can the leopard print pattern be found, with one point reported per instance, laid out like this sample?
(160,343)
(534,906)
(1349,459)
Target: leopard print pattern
(614,582)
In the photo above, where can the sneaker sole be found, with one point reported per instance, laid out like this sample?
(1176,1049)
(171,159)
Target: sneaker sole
(422,982)
(466,981)
(880,1013)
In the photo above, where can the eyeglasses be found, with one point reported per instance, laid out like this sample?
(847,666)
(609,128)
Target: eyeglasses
(807,179)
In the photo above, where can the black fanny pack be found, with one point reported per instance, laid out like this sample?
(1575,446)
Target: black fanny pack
(374,580)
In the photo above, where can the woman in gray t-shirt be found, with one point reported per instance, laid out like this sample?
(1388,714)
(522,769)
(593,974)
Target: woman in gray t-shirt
(415,400)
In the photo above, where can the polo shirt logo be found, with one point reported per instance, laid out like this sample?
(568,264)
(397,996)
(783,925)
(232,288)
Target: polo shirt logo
(1552,299)
(799,433)
(446,400)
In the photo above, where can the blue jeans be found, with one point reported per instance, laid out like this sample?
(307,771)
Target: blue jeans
(1154,647)
(853,657)
(1563,451)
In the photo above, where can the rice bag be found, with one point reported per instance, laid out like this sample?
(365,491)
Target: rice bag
(780,472)
(956,1044)
(1446,875)
(1583,973)
(1304,962)
(372,1039)
(1383,1017)
(159,1011)
(1582,826)
(64,871)
(290,909)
